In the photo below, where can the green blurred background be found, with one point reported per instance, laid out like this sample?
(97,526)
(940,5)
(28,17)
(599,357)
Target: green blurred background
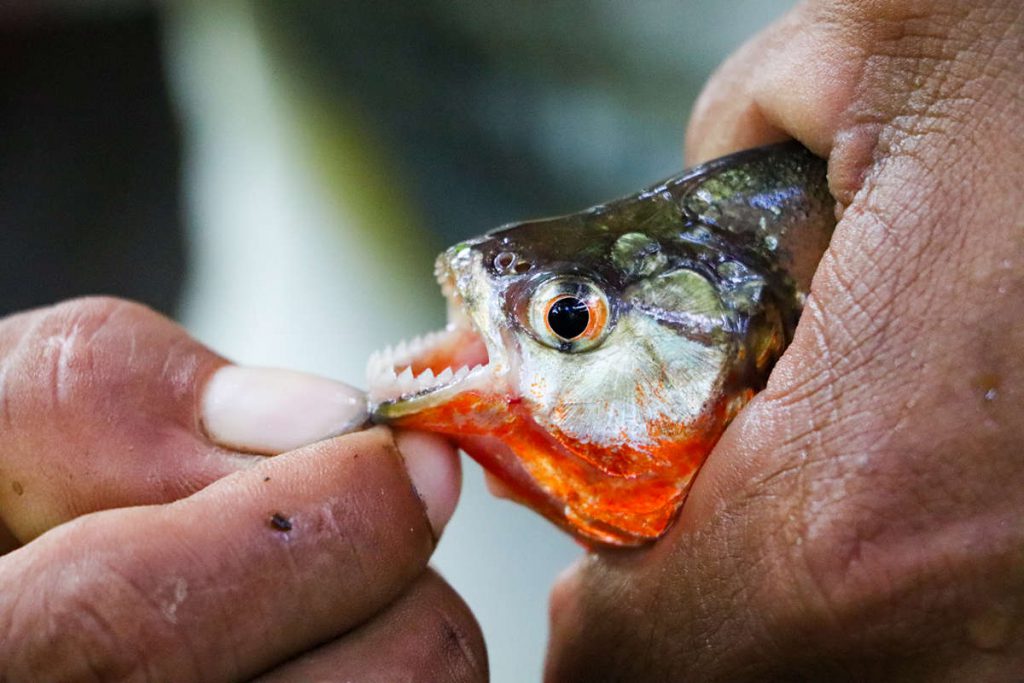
(280,175)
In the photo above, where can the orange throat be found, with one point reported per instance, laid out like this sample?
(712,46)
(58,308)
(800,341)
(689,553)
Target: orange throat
(608,493)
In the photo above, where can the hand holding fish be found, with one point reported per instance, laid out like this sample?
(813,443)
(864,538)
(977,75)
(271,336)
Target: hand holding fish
(144,539)
(860,518)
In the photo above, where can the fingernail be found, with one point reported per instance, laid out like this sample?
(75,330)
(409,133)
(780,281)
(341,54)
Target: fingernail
(435,471)
(264,410)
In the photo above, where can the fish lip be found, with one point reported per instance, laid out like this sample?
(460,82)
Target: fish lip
(394,394)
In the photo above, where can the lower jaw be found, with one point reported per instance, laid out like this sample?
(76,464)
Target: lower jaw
(597,523)
(502,464)
(593,506)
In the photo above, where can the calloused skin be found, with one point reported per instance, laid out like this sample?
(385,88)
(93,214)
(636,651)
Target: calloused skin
(862,518)
(137,549)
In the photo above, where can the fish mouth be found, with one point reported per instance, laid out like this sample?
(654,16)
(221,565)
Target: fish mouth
(458,381)
(433,369)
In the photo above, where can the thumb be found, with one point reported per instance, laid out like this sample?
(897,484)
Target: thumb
(105,403)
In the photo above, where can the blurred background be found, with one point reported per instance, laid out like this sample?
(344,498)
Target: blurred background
(279,176)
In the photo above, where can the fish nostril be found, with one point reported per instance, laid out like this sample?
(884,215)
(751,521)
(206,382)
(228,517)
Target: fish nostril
(505,261)
(523,267)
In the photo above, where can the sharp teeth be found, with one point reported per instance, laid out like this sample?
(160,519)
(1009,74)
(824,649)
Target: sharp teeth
(376,370)
(405,381)
(386,372)
(425,379)
(418,344)
(385,382)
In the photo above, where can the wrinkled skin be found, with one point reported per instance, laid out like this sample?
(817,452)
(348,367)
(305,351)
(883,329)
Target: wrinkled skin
(134,547)
(860,519)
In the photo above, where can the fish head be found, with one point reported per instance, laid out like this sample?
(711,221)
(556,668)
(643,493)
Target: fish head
(587,364)
(591,361)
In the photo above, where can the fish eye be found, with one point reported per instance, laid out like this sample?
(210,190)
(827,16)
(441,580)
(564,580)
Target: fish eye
(568,317)
(568,314)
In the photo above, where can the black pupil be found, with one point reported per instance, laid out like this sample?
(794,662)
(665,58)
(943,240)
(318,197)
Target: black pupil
(568,317)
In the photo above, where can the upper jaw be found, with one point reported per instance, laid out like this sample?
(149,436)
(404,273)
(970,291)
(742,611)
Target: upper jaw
(432,369)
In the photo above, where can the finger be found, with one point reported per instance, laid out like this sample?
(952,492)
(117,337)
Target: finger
(921,86)
(792,80)
(845,79)
(103,403)
(427,635)
(259,566)
(804,78)
(863,499)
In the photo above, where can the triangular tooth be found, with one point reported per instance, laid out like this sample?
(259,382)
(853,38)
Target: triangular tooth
(405,381)
(402,350)
(376,385)
(386,373)
(461,373)
(445,376)
(425,379)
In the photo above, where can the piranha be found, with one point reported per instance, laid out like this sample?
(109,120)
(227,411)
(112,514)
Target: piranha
(591,361)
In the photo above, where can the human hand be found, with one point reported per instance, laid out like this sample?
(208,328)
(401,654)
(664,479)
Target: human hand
(861,518)
(150,547)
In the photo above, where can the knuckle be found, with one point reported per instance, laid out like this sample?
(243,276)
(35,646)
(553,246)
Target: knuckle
(457,644)
(91,315)
(459,650)
(96,351)
(99,305)
(67,345)
(70,635)
(92,623)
